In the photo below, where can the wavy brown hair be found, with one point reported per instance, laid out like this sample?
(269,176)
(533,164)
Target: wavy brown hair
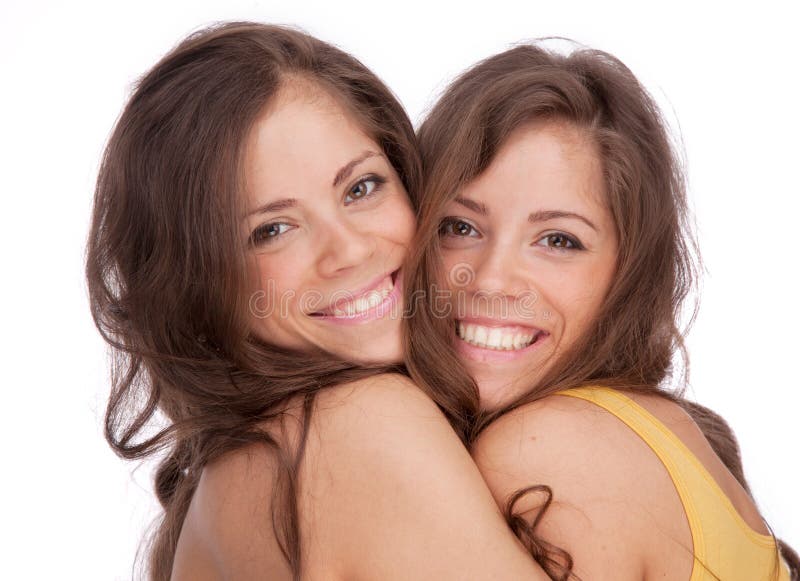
(636,342)
(165,263)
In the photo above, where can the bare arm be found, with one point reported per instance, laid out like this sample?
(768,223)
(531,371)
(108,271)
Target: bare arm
(388,492)
(397,496)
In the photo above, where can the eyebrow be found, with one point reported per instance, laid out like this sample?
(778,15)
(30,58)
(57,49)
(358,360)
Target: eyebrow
(540,216)
(343,173)
(347,169)
(544,215)
(476,207)
(275,206)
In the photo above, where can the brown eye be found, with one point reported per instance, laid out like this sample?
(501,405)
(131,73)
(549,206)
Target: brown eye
(560,241)
(268,232)
(360,190)
(364,189)
(457,228)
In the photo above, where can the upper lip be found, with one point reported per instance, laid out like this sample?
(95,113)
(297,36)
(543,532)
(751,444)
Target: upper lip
(499,322)
(345,296)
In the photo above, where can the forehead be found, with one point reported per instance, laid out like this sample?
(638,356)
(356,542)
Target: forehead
(301,140)
(555,164)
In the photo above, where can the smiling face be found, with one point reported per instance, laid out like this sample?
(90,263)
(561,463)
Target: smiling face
(529,249)
(328,225)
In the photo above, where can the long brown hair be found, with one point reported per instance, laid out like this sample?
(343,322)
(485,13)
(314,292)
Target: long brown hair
(165,262)
(634,340)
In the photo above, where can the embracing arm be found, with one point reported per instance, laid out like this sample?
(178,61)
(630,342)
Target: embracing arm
(397,494)
(387,492)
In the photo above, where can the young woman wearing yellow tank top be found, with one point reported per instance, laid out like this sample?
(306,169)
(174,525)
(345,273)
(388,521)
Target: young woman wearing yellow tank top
(555,215)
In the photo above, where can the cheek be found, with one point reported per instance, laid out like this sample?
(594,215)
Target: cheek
(600,276)
(455,271)
(580,295)
(274,280)
(395,221)
(406,225)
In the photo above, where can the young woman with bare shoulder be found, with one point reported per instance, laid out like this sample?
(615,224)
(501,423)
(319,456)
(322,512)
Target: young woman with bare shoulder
(252,214)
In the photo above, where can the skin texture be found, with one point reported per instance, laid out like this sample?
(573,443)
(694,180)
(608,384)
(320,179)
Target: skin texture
(548,274)
(334,241)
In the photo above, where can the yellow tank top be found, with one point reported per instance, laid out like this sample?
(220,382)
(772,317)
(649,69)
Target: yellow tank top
(725,546)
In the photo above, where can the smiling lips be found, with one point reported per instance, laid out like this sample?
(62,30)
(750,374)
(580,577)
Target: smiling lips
(508,338)
(370,303)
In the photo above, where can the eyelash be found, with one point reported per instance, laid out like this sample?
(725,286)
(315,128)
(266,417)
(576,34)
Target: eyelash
(570,240)
(261,236)
(445,229)
(379,182)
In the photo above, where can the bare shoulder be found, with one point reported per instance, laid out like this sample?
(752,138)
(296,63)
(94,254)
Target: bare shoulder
(612,499)
(559,441)
(383,422)
(562,435)
(545,431)
(386,491)
(392,493)
(228,530)
(385,393)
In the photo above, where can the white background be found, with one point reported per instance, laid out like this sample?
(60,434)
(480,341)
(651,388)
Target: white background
(70,509)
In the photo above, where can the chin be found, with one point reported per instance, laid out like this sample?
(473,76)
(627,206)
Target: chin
(389,356)
(376,353)
(496,392)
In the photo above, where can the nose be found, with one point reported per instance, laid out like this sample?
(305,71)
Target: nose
(499,271)
(344,245)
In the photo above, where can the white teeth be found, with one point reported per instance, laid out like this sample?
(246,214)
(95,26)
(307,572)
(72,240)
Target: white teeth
(481,334)
(362,304)
(496,338)
(469,334)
